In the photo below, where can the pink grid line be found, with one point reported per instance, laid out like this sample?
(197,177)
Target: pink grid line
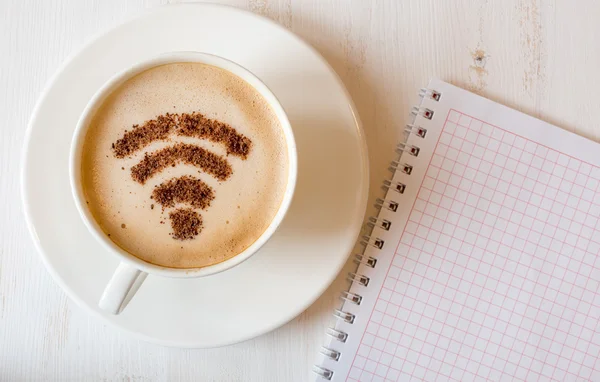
(469,191)
(581,178)
(445,221)
(555,301)
(378,296)
(533,192)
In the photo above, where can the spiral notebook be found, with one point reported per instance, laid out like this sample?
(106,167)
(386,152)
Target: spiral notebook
(482,263)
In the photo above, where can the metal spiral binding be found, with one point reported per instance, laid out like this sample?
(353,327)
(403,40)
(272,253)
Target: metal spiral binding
(333,354)
(345,316)
(433,94)
(389,204)
(417,130)
(381,223)
(396,186)
(360,279)
(404,167)
(352,297)
(366,260)
(373,242)
(322,372)
(412,150)
(422,111)
(338,335)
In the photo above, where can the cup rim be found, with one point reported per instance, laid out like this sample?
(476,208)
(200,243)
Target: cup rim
(89,112)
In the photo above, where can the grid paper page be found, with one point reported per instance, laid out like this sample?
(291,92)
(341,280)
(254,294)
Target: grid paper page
(496,273)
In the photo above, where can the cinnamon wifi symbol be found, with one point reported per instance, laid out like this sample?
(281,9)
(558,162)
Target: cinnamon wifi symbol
(186,222)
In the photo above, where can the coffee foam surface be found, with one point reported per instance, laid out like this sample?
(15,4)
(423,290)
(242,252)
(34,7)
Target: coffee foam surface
(244,205)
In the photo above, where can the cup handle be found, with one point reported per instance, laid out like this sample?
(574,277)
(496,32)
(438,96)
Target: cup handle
(124,283)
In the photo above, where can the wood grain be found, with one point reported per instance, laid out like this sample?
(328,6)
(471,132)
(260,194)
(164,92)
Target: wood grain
(539,56)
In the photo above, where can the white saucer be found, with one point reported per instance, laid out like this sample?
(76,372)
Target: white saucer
(301,259)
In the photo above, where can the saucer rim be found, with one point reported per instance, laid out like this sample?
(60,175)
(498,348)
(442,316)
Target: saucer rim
(364,191)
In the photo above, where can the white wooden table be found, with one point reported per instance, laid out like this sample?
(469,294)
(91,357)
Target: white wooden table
(539,56)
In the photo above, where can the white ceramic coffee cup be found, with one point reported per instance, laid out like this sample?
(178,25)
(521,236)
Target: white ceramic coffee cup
(132,271)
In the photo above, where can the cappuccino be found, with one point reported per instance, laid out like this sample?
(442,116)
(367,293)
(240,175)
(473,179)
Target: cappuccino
(184,165)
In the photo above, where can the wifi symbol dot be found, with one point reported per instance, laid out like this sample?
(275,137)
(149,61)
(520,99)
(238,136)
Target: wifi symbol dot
(186,222)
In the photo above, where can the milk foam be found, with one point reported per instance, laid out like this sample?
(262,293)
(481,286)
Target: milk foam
(244,205)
